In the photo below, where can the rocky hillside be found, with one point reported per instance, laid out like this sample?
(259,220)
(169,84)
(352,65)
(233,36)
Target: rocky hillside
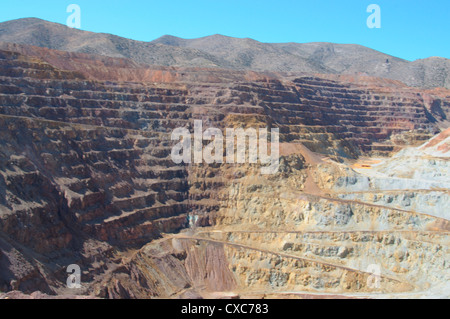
(86,178)
(232,53)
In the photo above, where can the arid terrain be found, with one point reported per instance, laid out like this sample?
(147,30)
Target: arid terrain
(86,175)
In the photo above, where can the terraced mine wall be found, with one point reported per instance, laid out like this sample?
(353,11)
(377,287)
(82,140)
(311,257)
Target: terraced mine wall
(86,171)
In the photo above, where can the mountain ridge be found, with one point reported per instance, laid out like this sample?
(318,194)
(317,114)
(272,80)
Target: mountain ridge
(220,51)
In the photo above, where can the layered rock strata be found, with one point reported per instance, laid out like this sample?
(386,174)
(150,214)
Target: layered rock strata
(87,178)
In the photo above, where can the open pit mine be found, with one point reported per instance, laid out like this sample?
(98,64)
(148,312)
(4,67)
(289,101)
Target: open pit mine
(358,208)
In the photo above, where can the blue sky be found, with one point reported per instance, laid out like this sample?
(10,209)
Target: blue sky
(410,29)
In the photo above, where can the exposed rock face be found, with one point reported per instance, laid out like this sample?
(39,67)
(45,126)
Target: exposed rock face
(87,178)
(306,109)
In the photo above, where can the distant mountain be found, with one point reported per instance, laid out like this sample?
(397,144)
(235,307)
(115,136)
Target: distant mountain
(32,31)
(233,53)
